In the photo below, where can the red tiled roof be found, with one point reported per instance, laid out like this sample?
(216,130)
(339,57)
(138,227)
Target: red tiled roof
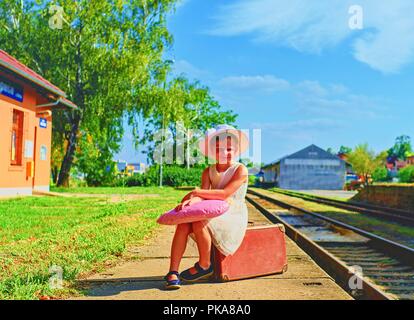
(16,66)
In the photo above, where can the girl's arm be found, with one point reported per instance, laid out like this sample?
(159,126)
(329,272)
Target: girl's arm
(237,180)
(189,197)
(205,184)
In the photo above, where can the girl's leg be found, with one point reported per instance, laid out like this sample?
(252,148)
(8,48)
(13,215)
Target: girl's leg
(203,239)
(178,246)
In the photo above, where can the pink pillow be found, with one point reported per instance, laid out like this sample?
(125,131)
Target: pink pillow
(202,210)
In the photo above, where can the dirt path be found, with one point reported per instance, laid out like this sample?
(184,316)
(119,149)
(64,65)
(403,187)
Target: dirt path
(142,278)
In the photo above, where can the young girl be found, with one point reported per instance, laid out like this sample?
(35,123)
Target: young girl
(226,180)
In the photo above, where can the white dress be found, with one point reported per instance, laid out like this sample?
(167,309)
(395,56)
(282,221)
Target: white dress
(228,230)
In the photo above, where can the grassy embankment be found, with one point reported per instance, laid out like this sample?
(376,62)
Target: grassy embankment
(81,234)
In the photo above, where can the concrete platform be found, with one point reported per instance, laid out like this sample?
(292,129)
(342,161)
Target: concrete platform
(142,279)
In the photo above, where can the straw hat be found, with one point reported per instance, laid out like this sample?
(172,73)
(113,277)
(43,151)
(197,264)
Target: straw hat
(223,130)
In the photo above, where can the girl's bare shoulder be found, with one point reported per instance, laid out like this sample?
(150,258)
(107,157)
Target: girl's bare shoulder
(207,169)
(242,170)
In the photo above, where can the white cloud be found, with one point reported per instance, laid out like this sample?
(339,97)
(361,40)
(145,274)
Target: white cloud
(312,124)
(301,131)
(183,66)
(335,100)
(310,97)
(181,3)
(312,88)
(266,83)
(386,43)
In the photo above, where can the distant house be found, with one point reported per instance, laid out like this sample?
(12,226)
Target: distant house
(348,166)
(400,164)
(130,169)
(121,165)
(309,168)
(138,167)
(394,164)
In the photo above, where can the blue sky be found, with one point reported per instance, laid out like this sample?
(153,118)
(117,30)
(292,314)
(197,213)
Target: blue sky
(297,71)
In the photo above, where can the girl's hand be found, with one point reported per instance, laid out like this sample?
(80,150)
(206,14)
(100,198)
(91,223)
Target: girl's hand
(194,192)
(188,196)
(180,206)
(187,203)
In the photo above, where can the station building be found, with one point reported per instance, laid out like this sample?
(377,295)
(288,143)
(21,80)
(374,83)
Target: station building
(26,103)
(311,168)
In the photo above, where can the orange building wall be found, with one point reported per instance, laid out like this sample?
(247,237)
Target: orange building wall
(42,167)
(13,179)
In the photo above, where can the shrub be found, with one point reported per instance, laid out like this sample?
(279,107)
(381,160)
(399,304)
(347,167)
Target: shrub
(380,174)
(406,174)
(252,180)
(173,175)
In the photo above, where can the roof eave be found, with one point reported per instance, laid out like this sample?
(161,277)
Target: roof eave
(59,102)
(69,104)
(271,164)
(32,79)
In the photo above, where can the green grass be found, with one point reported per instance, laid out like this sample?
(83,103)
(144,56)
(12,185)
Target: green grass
(80,234)
(114,190)
(308,195)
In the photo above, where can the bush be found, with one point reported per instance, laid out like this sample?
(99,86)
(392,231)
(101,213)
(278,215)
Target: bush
(380,174)
(173,175)
(406,174)
(76,182)
(252,180)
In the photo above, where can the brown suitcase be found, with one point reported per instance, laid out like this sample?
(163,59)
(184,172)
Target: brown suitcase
(262,252)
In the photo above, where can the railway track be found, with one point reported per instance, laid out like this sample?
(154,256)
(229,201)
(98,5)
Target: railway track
(390,214)
(365,265)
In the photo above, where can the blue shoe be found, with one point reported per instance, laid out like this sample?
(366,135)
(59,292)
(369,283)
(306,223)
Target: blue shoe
(199,275)
(172,284)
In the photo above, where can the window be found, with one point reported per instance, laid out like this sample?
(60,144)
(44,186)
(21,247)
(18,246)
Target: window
(43,152)
(16,138)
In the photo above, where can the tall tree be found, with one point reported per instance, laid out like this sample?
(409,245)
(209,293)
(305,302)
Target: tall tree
(364,161)
(401,148)
(344,150)
(202,112)
(104,54)
(331,151)
(191,115)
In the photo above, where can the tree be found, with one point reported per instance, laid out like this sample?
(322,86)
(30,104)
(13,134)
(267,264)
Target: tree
(202,112)
(167,103)
(364,161)
(380,174)
(104,54)
(193,109)
(344,150)
(406,175)
(331,151)
(401,148)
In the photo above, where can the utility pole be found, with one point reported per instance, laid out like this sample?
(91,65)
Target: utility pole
(188,137)
(162,147)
